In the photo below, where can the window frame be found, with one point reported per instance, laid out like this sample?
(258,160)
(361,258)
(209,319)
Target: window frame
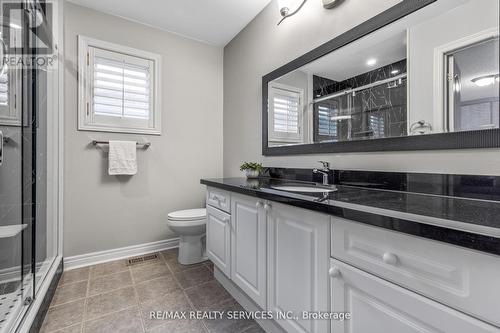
(286,137)
(87,120)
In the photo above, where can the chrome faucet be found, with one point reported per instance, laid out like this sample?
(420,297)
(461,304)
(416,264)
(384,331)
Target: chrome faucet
(325,171)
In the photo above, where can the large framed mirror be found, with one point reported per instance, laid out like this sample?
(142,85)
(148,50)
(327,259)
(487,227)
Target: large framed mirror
(424,74)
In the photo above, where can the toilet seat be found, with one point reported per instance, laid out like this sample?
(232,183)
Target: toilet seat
(188,214)
(192,223)
(188,217)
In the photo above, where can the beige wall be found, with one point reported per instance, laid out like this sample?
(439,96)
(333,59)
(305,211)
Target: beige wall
(105,212)
(263,46)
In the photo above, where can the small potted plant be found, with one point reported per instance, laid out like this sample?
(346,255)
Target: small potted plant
(252,170)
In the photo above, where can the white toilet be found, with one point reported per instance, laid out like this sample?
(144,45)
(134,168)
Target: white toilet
(190,225)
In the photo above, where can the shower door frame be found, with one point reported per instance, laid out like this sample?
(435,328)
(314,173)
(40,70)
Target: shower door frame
(33,313)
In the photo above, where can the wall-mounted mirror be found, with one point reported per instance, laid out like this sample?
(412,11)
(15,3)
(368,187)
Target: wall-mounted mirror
(418,71)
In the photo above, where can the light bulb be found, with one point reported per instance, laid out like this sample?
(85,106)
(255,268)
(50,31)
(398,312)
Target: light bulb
(371,62)
(484,81)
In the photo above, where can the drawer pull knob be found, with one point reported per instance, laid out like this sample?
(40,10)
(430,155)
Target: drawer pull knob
(267,206)
(390,258)
(334,272)
(259,204)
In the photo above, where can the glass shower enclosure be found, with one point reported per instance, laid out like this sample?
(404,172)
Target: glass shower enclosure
(28,203)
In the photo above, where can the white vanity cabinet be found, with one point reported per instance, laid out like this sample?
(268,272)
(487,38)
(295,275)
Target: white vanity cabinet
(248,247)
(291,261)
(219,239)
(236,241)
(378,306)
(298,256)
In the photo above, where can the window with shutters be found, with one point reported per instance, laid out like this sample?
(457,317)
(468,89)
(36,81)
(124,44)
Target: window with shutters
(285,113)
(10,113)
(118,88)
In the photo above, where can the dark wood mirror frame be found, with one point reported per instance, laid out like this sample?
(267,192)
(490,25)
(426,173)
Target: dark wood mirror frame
(489,138)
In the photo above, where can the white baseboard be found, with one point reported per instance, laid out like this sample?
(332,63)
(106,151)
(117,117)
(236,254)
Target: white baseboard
(94,258)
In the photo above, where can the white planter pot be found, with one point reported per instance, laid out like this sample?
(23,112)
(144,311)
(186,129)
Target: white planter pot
(252,173)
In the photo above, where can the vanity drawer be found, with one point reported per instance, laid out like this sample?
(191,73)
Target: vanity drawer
(463,279)
(219,199)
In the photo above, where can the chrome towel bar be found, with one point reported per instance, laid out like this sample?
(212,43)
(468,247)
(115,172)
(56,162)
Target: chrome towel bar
(143,145)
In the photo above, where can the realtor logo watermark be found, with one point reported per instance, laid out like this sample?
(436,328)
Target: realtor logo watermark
(27,34)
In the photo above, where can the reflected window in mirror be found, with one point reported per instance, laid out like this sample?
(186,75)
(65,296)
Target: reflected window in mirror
(10,113)
(285,113)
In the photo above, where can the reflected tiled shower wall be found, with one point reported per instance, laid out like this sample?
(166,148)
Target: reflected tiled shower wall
(376,112)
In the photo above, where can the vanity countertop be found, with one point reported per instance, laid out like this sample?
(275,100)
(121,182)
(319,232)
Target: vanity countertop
(465,222)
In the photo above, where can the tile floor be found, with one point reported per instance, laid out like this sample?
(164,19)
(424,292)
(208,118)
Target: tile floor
(114,297)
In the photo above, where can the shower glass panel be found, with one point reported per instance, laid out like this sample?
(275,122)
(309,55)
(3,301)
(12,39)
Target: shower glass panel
(28,224)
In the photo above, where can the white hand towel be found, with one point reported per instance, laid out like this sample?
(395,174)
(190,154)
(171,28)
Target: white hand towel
(122,158)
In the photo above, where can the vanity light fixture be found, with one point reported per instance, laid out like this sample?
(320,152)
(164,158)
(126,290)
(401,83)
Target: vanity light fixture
(289,8)
(329,4)
(486,80)
(371,62)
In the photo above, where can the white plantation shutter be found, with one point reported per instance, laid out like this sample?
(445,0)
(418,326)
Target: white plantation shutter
(285,113)
(327,125)
(4,89)
(118,88)
(121,89)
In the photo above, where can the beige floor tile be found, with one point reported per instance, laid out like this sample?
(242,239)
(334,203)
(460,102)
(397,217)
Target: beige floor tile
(109,282)
(170,253)
(254,329)
(194,276)
(175,267)
(146,272)
(180,326)
(110,302)
(63,316)
(72,329)
(226,325)
(75,275)
(174,301)
(205,295)
(69,292)
(126,321)
(108,268)
(156,288)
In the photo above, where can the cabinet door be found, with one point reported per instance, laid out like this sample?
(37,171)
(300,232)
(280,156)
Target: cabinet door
(298,261)
(378,306)
(248,247)
(219,239)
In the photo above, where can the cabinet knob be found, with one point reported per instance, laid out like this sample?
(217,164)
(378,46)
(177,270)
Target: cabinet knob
(259,204)
(390,258)
(334,272)
(267,206)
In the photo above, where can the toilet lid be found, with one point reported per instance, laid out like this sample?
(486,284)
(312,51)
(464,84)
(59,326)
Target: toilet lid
(188,214)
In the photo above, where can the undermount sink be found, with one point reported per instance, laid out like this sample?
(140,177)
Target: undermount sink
(310,189)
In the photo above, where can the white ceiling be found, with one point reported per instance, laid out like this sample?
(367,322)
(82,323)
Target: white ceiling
(211,21)
(351,59)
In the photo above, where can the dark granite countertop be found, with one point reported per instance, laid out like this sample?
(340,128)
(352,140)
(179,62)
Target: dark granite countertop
(466,222)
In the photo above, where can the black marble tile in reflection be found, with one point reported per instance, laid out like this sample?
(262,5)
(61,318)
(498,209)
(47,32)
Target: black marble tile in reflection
(376,112)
